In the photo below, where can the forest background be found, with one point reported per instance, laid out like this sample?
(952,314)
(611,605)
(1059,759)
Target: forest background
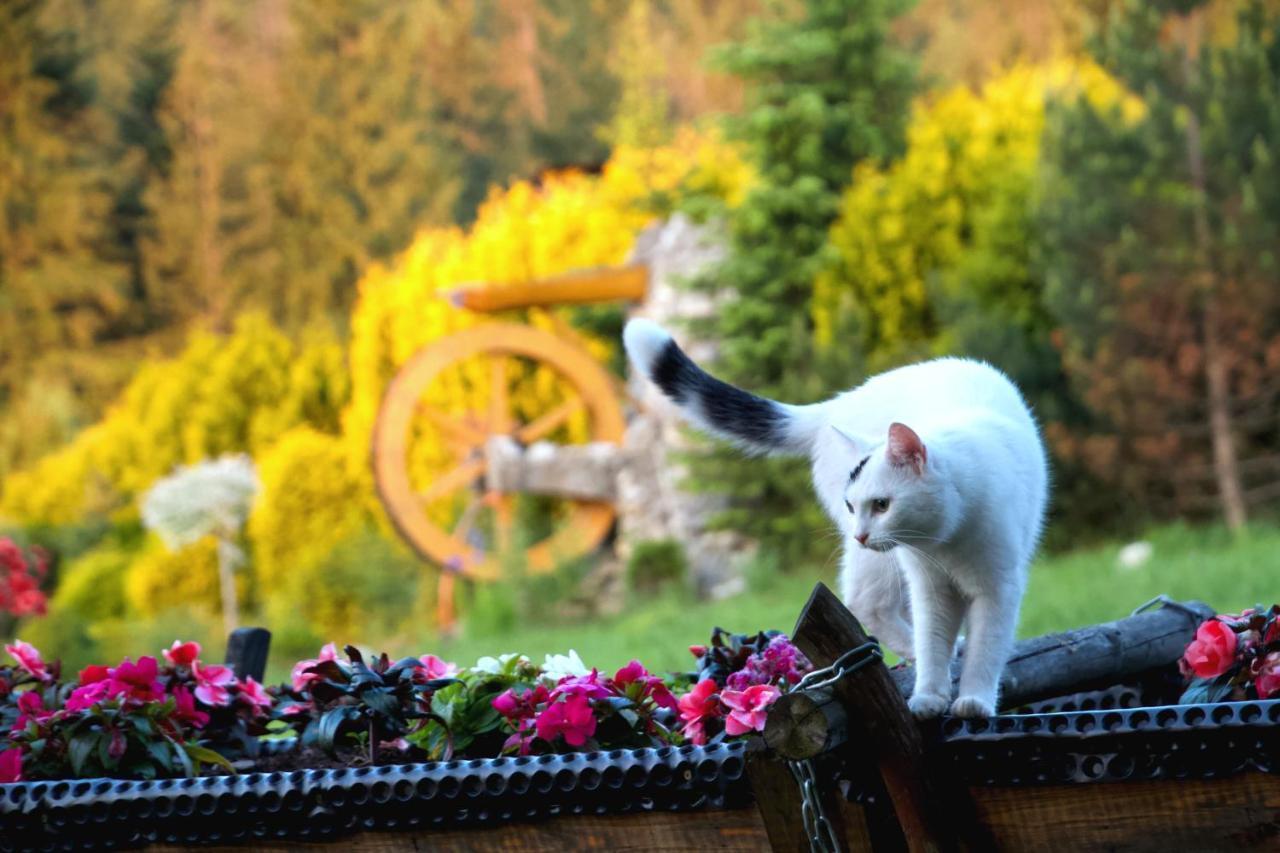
(224,225)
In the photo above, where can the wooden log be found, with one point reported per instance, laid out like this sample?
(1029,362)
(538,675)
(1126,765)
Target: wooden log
(247,650)
(881,725)
(581,471)
(777,800)
(802,725)
(607,284)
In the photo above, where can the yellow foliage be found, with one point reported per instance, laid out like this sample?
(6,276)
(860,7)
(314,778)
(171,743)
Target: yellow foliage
(159,579)
(220,395)
(901,222)
(310,500)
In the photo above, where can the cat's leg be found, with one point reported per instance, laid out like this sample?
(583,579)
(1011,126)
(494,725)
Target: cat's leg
(993,617)
(874,590)
(937,609)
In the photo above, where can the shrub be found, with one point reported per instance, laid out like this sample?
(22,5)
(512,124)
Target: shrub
(92,586)
(656,564)
(160,579)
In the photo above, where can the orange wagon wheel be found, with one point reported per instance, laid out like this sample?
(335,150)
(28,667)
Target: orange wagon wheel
(479,523)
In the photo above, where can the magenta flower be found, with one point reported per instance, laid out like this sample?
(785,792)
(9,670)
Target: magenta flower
(748,709)
(137,680)
(651,687)
(521,707)
(435,667)
(88,695)
(212,683)
(588,685)
(182,654)
(28,658)
(11,765)
(254,693)
(572,718)
(185,708)
(696,707)
(301,678)
(1267,678)
(32,708)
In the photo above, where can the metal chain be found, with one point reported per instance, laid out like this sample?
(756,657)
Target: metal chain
(817,827)
(1166,601)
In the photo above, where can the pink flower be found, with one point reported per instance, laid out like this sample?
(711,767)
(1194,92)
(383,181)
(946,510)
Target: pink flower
(651,687)
(11,765)
(212,683)
(1267,680)
(32,708)
(697,651)
(296,708)
(28,658)
(137,680)
(182,654)
(1213,650)
(301,678)
(88,695)
(748,709)
(697,706)
(254,693)
(589,686)
(185,708)
(521,707)
(11,557)
(572,718)
(437,668)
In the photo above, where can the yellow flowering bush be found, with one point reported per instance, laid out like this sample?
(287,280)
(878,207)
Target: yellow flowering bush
(159,579)
(901,223)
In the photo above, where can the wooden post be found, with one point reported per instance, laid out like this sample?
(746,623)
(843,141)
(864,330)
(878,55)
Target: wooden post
(880,724)
(247,650)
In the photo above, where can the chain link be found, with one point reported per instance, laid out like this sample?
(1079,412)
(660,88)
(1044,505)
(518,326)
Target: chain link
(817,826)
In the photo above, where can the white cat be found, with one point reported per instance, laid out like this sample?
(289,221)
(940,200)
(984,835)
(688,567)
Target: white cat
(937,478)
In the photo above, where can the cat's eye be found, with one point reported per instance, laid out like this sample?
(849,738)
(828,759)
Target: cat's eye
(880,505)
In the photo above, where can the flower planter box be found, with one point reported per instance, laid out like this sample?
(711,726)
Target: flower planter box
(484,795)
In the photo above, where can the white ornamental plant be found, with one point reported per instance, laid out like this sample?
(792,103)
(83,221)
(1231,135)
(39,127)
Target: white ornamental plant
(210,498)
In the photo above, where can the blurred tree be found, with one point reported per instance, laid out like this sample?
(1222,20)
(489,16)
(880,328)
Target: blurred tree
(825,90)
(642,117)
(1162,235)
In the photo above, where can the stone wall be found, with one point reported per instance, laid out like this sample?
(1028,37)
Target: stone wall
(653,502)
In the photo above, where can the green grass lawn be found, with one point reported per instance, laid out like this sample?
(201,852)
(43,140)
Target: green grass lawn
(1066,591)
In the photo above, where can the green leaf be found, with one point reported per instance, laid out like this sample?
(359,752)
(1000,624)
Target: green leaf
(161,754)
(202,754)
(183,758)
(79,749)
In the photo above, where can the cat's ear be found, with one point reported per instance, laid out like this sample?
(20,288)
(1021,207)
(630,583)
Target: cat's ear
(856,445)
(906,449)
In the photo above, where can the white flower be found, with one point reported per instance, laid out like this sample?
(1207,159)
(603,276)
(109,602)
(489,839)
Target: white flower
(557,667)
(493,666)
(195,500)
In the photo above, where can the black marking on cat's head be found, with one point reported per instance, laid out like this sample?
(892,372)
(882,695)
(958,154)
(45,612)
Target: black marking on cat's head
(858,470)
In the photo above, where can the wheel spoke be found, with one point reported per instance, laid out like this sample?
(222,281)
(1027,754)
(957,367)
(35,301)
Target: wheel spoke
(468,518)
(453,479)
(503,517)
(545,424)
(457,431)
(499,414)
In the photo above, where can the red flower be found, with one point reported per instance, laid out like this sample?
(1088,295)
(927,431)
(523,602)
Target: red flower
(301,678)
(1213,650)
(94,674)
(11,765)
(697,651)
(185,708)
(212,683)
(182,654)
(254,693)
(748,709)
(1267,679)
(28,658)
(137,680)
(696,707)
(572,718)
(651,686)
(11,558)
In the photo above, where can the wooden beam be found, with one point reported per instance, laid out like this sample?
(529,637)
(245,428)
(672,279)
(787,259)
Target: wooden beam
(247,650)
(880,724)
(607,284)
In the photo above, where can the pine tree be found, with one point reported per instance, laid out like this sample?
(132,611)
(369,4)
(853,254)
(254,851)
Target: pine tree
(824,92)
(1162,232)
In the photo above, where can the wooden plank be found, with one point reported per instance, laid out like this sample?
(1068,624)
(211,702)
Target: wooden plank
(587,286)
(734,830)
(1239,812)
(777,798)
(880,724)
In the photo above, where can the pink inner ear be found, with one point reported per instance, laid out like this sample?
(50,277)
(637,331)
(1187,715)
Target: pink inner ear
(906,448)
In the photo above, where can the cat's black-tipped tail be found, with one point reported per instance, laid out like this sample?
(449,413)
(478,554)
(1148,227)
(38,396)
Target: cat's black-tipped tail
(754,423)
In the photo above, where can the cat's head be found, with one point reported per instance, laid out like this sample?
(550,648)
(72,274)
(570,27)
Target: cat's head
(894,494)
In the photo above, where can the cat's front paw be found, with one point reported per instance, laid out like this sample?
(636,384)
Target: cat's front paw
(972,708)
(926,706)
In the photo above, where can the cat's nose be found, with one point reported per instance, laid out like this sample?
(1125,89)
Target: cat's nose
(862,538)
